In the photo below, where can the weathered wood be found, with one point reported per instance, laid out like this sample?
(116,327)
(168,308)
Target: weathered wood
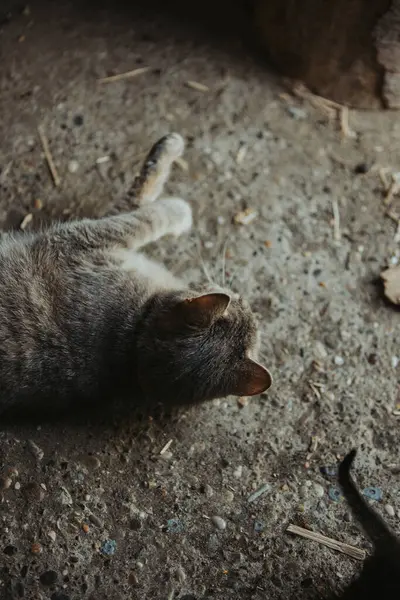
(345,50)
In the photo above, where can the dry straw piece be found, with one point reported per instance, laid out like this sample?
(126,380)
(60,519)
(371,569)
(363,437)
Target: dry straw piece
(329,542)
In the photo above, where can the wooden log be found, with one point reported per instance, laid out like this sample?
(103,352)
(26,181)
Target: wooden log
(345,50)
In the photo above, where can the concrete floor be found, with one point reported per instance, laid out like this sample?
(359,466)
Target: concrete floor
(113,518)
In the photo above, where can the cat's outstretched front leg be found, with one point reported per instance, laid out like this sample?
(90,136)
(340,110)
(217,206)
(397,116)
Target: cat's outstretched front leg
(149,184)
(169,216)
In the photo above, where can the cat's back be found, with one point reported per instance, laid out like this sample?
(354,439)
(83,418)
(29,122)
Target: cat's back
(60,308)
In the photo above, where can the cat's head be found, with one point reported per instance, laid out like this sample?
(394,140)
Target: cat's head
(193,348)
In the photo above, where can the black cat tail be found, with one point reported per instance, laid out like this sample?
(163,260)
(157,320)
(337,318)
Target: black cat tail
(374,527)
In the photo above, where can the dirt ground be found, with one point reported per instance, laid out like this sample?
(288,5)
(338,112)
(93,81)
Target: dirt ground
(94,510)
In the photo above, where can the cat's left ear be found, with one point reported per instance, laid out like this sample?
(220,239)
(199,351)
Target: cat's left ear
(251,379)
(203,310)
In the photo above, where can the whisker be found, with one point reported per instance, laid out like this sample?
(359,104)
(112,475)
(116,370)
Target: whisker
(203,264)
(224,262)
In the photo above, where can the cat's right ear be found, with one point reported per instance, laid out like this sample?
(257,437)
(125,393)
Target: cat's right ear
(202,311)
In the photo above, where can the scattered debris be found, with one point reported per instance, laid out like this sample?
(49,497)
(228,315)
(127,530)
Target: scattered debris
(102,159)
(258,526)
(352,551)
(297,113)
(36,548)
(336,220)
(95,520)
(241,154)
(339,361)
(37,204)
(35,450)
(65,497)
(391,281)
(243,401)
(344,123)
(109,547)
(373,493)
(166,447)
(174,526)
(245,217)
(73,166)
(329,471)
(25,221)
(335,494)
(195,85)
(182,163)
(49,158)
(391,188)
(52,535)
(126,75)
(266,487)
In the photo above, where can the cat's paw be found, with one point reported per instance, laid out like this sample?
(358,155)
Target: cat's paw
(179,215)
(174,145)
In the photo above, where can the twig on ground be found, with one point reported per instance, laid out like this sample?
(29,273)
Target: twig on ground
(126,75)
(352,551)
(50,162)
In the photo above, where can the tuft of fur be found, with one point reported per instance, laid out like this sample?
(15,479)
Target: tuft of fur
(85,316)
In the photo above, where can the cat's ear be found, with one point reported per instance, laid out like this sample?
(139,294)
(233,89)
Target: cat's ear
(203,310)
(251,379)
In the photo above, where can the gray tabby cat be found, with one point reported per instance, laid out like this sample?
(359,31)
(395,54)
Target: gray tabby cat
(84,316)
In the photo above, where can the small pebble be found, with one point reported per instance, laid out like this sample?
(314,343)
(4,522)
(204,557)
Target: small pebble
(36,548)
(95,520)
(219,522)
(390,510)
(320,350)
(339,361)
(17,486)
(208,490)
(238,472)
(319,490)
(73,166)
(181,575)
(52,535)
(395,361)
(229,495)
(5,483)
(132,579)
(35,450)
